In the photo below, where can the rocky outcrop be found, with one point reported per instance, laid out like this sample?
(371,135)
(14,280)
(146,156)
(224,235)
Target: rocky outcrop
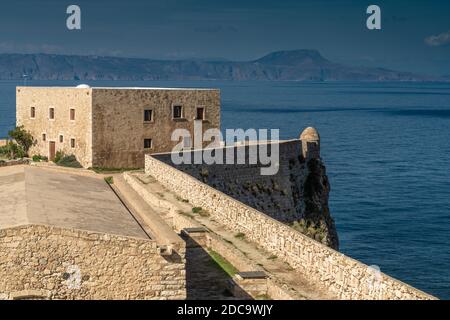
(317,222)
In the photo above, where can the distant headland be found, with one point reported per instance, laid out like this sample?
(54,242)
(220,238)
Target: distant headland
(293,65)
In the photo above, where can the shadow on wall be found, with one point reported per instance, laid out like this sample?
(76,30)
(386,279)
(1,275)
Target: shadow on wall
(297,194)
(205,278)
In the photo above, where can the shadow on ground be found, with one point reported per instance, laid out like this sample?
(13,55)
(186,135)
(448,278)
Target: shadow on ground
(205,279)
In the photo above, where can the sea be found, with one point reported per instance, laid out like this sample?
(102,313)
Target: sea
(386,147)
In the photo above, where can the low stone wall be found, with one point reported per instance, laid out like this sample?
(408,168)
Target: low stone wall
(8,163)
(42,262)
(342,275)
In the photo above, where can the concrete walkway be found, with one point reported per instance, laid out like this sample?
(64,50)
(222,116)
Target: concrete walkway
(38,195)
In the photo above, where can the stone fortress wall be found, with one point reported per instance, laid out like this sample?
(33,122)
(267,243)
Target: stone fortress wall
(43,262)
(272,194)
(343,276)
(297,192)
(119,129)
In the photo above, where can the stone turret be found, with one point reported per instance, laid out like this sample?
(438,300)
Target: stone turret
(310,143)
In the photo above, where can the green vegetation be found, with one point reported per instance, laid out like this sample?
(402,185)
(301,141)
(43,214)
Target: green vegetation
(109,180)
(58,156)
(12,151)
(262,297)
(223,263)
(39,158)
(200,211)
(272,257)
(21,142)
(240,235)
(69,161)
(22,137)
(197,210)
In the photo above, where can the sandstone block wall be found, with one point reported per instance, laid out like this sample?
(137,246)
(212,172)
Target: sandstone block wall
(40,262)
(275,195)
(109,127)
(342,275)
(297,192)
(119,129)
(62,100)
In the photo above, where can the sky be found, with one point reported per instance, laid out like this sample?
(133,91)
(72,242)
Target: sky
(415,35)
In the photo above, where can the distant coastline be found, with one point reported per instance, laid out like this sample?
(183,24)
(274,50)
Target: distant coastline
(294,65)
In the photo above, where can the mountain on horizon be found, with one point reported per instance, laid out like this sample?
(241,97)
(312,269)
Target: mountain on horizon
(298,65)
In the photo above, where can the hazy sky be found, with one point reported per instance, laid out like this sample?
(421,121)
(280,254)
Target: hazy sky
(236,30)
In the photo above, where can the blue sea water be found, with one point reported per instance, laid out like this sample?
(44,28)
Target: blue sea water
(387,151)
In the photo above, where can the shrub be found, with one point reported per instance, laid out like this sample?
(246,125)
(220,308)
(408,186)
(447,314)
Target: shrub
(200,211)
(58,156)
(38,158)
(196,210)
(12,151)
(4,150)
(23,138)
(109,180)
(68,161)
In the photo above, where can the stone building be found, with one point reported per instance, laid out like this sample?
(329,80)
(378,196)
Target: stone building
(113,127)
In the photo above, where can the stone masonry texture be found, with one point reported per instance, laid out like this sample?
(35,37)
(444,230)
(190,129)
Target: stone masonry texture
(343,276)
(43,262)
(62,100)
(296,194)
(109,127)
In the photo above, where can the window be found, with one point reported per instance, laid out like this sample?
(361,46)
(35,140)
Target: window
(51,113)
(72,143)
(200,114)
(44,137)
(61,138)
(147,143)
(186,142)
(148,115)
(33,112)
(177,112)
(72,114)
